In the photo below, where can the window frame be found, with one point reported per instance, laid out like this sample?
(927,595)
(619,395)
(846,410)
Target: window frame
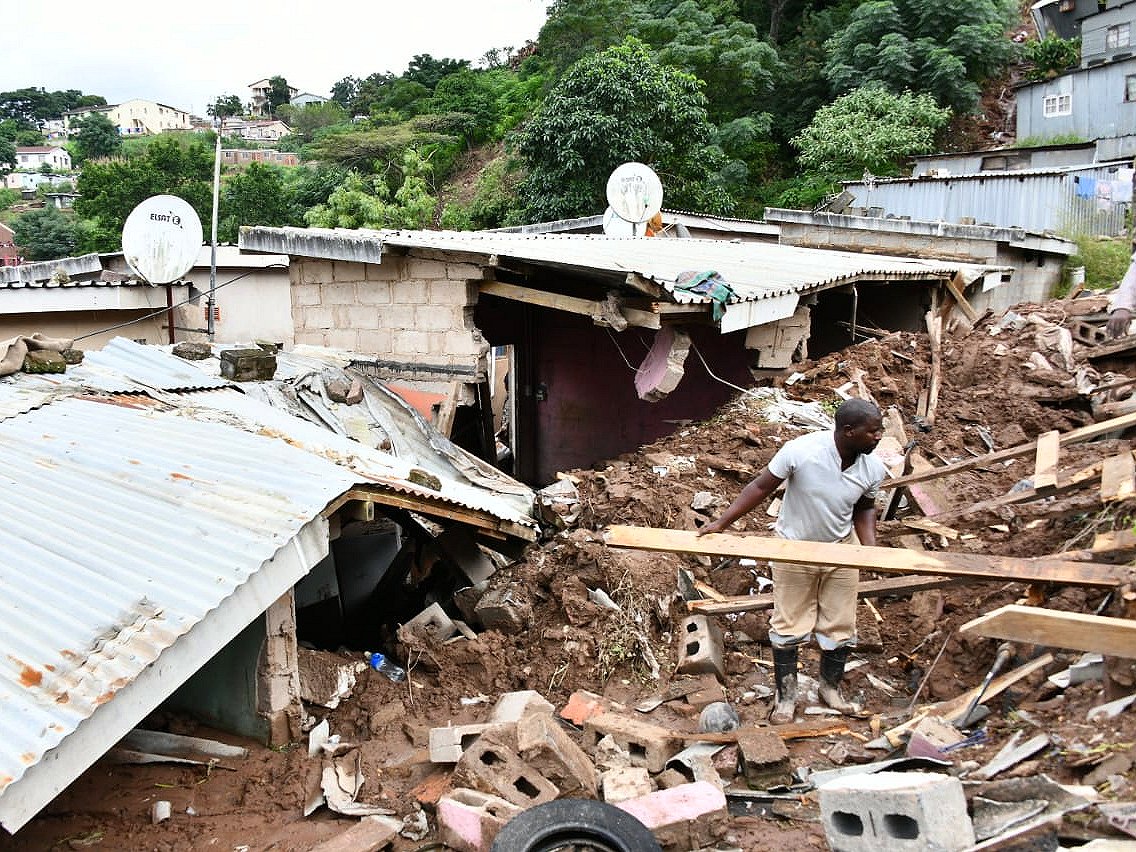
(1057,106)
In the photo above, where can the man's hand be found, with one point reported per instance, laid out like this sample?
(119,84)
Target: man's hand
(712,527)
(1118,322)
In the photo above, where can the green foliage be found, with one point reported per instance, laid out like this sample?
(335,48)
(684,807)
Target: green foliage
(361,202)
(305,121)
(8,197)
(1105,260)
(225,106)
(616,106)
(495,202)
(371,150)
(1051,56)
(97,137)
(278,93)
(7,155)
(253,196)
(306,187)
(427,71)
(343,92)
(46,234)
(579,28)
(110,189)
(944,48)
(870,128)
(29,106)
(1055,139)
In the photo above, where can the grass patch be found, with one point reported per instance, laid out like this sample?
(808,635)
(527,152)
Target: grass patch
(1105,260)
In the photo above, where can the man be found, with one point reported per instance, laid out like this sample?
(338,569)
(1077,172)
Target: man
(831,480)
(1123,302)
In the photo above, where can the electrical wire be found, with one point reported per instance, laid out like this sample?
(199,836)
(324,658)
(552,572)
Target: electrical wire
(168,308)
(749,392)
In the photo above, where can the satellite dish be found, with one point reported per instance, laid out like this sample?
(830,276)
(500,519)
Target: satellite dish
(162,238)
(635,192)
(614,226)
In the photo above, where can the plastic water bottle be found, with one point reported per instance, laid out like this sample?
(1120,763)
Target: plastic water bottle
(380,663)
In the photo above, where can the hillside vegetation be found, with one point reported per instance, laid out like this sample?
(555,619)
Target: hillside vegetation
(738,104)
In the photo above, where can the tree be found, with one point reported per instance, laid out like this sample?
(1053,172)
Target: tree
(46,234)
(944,48)
(225,106)
(428,71)
(7,155)
(110,189)
(278,93)
(97,137)
(367,202)
(616,106)
(577,28)
(31,105)
(343,92)
(253,196)
(870,128)
(304,121)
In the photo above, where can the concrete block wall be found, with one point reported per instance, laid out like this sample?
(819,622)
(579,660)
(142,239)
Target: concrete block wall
(406,310)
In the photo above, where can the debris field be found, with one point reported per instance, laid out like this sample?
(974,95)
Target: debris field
(570,673)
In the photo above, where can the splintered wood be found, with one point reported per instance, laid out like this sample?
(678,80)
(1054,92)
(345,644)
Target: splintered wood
(1079,632)
(1045,464)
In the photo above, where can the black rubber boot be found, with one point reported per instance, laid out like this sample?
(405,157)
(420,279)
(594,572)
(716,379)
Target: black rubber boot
(831,674)
(785,674)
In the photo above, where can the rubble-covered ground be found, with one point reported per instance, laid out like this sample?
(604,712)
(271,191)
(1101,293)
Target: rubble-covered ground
(1004,382)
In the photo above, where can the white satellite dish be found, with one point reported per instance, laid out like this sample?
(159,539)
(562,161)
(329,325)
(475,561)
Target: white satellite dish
(614,226)
(635,192)
(162,238)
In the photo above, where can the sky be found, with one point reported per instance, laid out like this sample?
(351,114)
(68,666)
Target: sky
(185,54)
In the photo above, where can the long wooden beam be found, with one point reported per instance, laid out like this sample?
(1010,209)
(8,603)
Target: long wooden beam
(1084,433)
(1115,637)
(570,304)
(866,589)
(901,561)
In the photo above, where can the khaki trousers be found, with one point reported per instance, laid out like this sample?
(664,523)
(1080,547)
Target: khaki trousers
(814,599)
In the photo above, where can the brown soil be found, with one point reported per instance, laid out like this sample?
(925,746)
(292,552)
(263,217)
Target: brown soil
(572,643)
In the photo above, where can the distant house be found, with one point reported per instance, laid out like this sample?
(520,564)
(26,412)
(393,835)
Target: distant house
(29,181)
(307,99)
(34,157)
(135,117)
(244,156)
(258,96)
(9,254)
(1065,18)
(268,130)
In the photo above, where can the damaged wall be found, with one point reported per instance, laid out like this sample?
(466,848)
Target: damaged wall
(414,315)
(72,324)
(590,410)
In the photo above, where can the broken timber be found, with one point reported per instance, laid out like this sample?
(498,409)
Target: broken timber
(483,521)
(1085,433)
(1115,637)
(570,304)
(1039,569)
(866,589)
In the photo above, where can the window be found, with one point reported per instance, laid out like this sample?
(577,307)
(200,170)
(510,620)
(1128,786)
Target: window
(1055,105)
(1130,88)
(1117,36)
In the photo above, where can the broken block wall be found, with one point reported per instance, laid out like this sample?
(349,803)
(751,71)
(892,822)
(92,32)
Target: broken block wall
(415,316)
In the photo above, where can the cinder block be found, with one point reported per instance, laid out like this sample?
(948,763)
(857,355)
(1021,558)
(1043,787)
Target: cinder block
(373,292)
(648,745)
(348,270)
(374,341)
(492,766)
(408,344)
(682,818)
(463,272)
(469,820)
(399,316)
(338,294)
(390,269)
(763,759)
(425,269)
(408,292)
(247,365)
(305,294)
(315,271)
(625,783)
(317,317)
(447,744)
(343,338)
(434,622)
(514,706)
(548,749)
(362,316)
(701,647)
(896,812)
(504,609)
(436,318)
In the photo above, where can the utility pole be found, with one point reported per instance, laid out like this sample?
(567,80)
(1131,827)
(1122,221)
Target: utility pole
(219,127)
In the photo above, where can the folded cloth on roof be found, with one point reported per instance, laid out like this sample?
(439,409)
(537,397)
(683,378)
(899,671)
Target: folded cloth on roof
(14,350)
(707,283)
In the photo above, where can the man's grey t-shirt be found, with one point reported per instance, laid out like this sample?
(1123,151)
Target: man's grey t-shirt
(819,496)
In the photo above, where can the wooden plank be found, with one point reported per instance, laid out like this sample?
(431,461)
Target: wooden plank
(1084,433)
(931,526)
(1045,461)
(955,285)
(887,559)
(1117,478)
(930,497)
(935,335)
(791,731)
(482,520)
(866,589)
(560,302)
(1114,637)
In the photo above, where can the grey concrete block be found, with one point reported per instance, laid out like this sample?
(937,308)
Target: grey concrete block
(701,647)
(896,812)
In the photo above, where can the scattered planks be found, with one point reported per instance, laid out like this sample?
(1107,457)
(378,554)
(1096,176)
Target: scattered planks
(1085,433)
(1115,637)
(1040,569)
(791,731)
(866,589)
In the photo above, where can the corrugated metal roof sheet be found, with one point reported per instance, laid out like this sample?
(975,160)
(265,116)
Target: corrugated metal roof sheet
(126,524)
(142,368)
(754,270)
(124,528)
